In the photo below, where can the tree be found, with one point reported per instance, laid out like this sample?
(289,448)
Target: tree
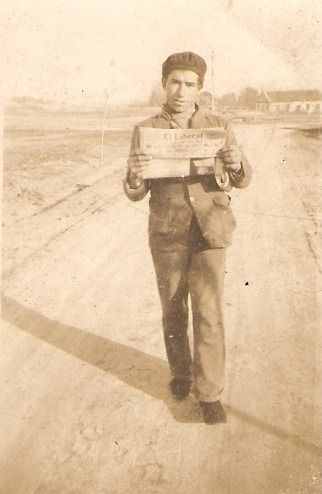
(205,99)
(229,99)
(248,98)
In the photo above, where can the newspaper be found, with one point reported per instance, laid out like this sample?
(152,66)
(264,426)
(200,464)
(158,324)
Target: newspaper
(181,152)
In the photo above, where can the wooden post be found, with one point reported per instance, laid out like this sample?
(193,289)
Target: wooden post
(212,82)
(102,133)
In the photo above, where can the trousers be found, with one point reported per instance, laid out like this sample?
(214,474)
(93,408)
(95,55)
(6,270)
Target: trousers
(198,270)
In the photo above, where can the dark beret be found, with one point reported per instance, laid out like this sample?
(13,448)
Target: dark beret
(186,60)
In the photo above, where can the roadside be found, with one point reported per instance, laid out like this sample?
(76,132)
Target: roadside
(85,372)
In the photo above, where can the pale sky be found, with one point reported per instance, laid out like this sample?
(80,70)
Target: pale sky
(75,51)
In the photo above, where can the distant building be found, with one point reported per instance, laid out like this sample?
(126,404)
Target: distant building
(290,101)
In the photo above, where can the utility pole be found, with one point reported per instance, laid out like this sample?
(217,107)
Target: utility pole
(212,81)
(103,123)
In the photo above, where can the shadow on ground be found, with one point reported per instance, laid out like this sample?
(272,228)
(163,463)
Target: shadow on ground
(144,372)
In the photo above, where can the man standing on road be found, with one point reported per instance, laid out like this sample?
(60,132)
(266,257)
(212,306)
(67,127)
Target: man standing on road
(190,226)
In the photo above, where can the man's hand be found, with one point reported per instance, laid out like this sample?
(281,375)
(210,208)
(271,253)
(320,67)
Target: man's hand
(137,164)
(231,156)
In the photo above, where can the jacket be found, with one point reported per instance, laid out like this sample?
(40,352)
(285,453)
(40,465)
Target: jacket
(173,201)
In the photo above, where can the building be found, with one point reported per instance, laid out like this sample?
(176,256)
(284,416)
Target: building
(290,101)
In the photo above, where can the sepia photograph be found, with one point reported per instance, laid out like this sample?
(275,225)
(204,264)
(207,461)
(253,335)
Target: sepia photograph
(161,268)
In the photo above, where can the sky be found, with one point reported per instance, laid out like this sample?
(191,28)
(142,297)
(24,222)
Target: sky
(78,51)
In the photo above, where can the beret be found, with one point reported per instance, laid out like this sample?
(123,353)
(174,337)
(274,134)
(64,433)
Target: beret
(186,60)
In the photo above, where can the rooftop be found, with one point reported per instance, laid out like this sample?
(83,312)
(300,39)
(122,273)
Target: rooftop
(288,96)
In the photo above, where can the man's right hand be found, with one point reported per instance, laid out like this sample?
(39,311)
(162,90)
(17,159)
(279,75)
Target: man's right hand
(137,165)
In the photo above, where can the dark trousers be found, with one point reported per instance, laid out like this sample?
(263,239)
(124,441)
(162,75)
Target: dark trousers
(198,270)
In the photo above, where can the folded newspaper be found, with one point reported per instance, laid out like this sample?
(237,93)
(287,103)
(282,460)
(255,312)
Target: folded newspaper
(181,152)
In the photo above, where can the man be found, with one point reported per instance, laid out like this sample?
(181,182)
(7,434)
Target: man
(190,226)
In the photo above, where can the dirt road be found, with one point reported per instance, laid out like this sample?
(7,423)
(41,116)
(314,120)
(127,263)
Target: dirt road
(85,404)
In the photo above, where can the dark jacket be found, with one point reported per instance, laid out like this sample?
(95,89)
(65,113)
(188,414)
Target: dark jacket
(173,201)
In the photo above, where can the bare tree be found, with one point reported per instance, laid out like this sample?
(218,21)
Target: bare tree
(248,98)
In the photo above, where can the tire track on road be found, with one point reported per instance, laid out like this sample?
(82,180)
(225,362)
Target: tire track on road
(86,213)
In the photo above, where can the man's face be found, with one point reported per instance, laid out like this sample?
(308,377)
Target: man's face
(182,89)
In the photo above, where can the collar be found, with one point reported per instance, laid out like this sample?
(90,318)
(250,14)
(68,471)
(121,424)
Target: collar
(169,115)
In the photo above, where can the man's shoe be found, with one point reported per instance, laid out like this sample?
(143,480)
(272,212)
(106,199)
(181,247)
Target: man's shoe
(180,388)
(213,412)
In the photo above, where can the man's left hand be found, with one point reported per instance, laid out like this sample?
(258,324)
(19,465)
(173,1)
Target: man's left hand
(231,156)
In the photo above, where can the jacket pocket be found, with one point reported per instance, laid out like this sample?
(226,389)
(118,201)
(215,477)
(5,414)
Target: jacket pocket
(224,213)
(219,221)
(221,199)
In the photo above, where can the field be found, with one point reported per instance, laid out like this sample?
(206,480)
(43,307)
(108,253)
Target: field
(85,404)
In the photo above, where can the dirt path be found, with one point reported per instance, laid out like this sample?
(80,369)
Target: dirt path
(85,406)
